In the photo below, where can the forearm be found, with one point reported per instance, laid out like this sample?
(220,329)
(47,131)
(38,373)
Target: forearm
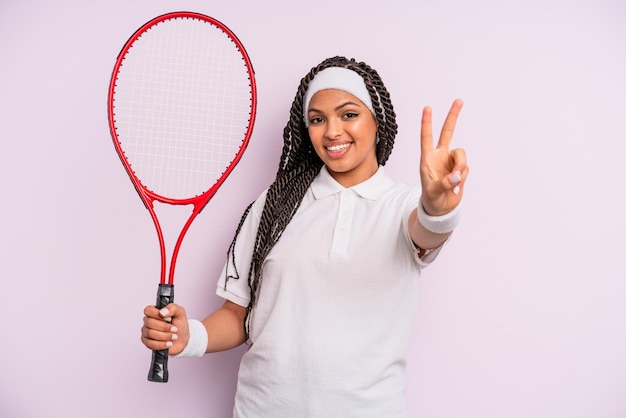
(428,232)
(225,327)
(422,237)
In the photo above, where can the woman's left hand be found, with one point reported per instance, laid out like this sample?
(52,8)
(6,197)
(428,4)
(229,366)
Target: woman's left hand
(443,171)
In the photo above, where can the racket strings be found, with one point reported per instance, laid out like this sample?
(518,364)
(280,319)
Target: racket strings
(183,104)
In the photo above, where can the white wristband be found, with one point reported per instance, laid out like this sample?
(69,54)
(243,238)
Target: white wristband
(439,224)
(198,340)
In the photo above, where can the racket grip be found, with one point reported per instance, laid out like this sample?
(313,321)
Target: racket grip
(158,369)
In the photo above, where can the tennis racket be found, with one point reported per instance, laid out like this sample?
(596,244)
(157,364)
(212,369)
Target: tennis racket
(181,108)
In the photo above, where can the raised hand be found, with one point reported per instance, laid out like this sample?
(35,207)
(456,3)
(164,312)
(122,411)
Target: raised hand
(443,171)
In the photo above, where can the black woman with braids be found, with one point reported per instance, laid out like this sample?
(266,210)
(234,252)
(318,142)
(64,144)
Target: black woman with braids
(321,276)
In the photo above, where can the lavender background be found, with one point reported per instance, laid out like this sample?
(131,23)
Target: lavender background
(522,316)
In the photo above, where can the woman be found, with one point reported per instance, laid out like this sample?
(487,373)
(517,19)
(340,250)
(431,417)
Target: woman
(322,273)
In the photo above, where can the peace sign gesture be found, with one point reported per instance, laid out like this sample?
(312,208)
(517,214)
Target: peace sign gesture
(443,171)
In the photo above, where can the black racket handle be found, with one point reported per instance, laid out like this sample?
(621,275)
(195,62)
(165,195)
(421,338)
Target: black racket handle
(158,369)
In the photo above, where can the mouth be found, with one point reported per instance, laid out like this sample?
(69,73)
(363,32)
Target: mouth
(338,148)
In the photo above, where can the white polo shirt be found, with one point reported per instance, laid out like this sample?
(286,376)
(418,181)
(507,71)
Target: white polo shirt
(330,331)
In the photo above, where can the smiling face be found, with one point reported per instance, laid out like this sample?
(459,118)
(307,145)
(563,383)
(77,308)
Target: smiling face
(343,133)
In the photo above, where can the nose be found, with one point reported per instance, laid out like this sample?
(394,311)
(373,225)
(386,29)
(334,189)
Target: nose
(334,128)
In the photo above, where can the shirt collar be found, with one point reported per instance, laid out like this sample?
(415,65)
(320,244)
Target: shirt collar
(325,185)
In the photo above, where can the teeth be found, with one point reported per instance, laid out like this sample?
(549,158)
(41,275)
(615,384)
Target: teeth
(335,148)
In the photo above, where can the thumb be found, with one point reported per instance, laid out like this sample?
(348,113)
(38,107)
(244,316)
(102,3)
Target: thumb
(449,183)
(173,312)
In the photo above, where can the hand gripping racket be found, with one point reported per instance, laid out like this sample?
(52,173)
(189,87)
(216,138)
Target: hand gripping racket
(181,107)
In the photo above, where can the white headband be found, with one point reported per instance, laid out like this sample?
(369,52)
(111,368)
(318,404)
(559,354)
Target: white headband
(341,79)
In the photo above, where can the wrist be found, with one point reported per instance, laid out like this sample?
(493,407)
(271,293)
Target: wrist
(198,340)
(439,224)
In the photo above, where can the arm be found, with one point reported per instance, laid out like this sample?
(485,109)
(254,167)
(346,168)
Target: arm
(225,327)
(422,237)
(168,328)
(443,173)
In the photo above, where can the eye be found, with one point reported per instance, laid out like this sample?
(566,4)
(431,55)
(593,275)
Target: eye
(350,115)
(316,120)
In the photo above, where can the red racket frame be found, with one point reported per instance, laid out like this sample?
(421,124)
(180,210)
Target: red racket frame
(148,197)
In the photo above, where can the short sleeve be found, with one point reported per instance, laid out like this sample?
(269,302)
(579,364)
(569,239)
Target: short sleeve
(232,283)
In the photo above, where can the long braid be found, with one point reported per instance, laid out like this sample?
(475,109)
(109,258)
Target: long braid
(299,165)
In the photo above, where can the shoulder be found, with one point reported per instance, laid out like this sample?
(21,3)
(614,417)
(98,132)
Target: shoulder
(256,207)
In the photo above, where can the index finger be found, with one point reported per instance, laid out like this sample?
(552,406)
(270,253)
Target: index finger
(427,130)
(450,123)
(151,311)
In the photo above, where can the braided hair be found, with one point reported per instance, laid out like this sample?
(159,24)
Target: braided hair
(299,165)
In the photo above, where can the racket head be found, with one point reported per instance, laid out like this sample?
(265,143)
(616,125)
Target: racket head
(181,107)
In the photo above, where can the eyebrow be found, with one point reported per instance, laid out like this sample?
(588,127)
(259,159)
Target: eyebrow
(348,103)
